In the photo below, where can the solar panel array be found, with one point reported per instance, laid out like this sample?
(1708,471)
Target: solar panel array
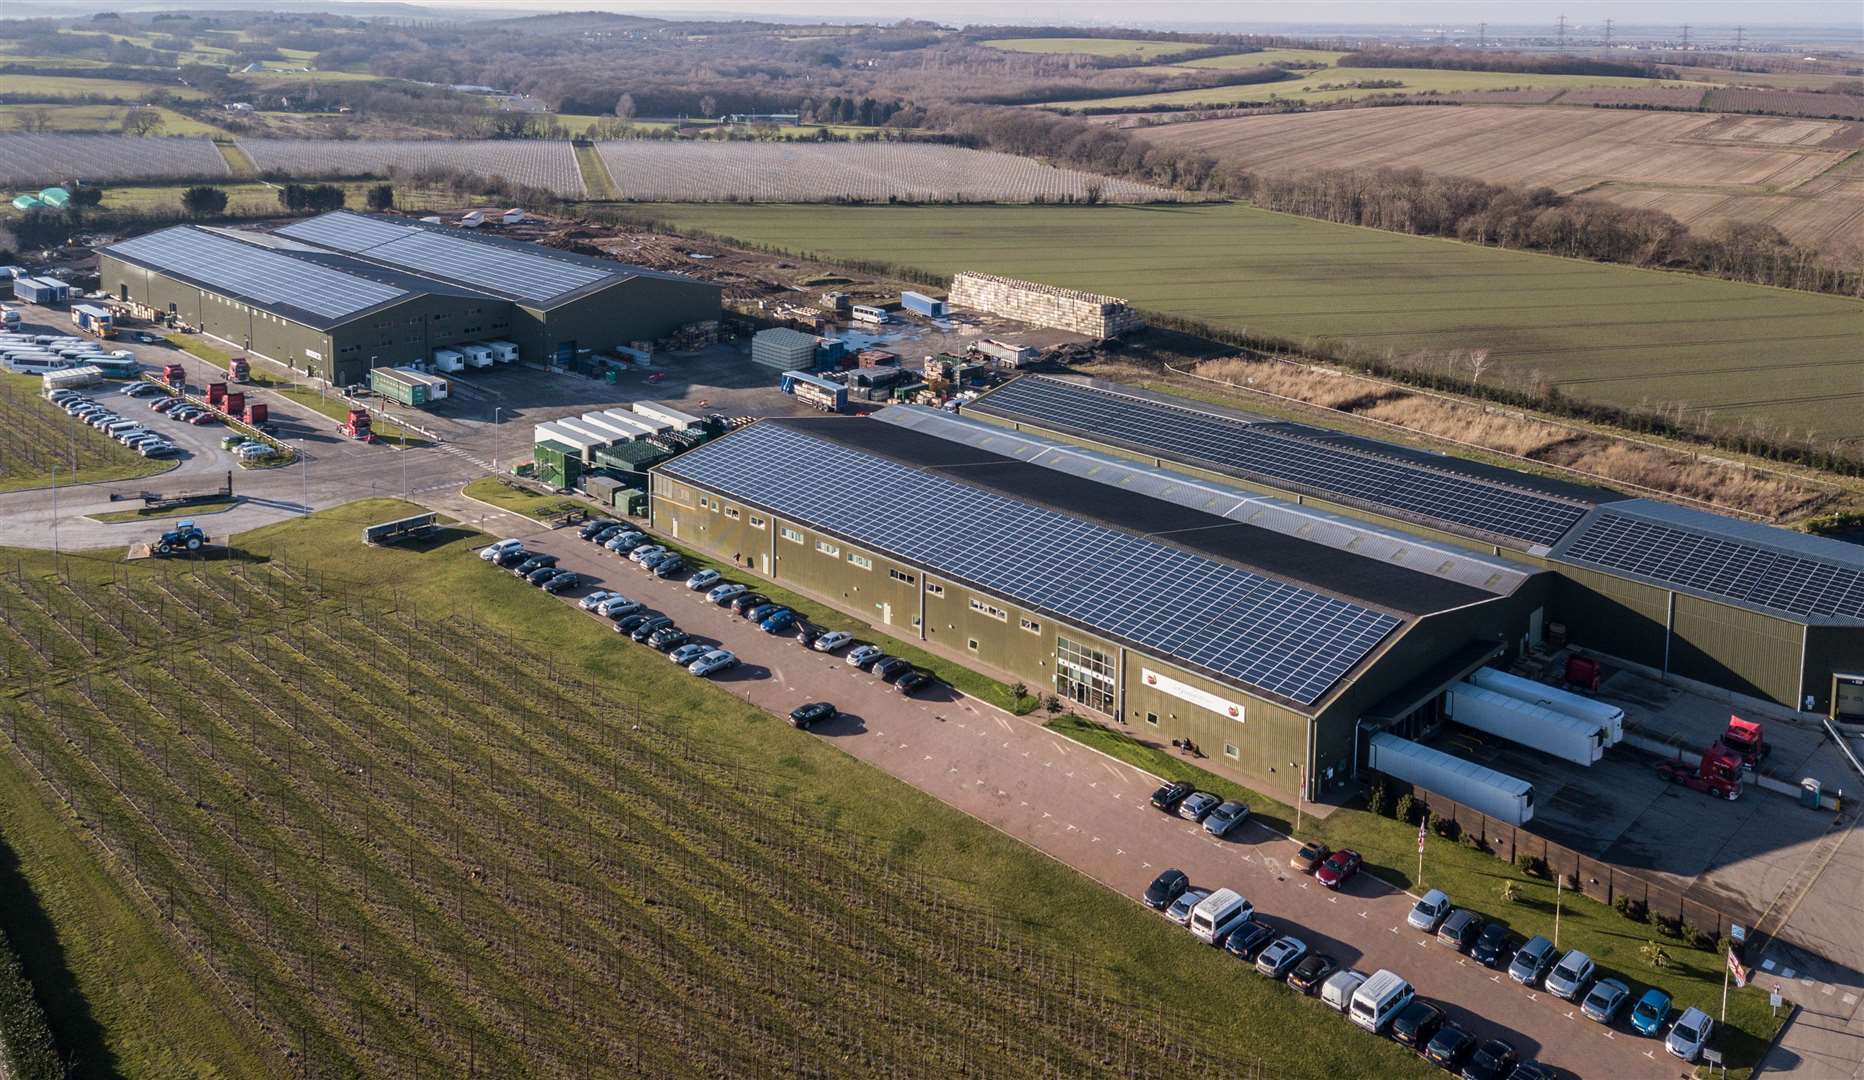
(1289,460)
(262,276)
(450,256)
(1720,566)
(1254,629)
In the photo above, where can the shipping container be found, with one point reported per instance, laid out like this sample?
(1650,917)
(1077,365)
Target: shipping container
(503,351)
(921,304)
(784,349)
(398,386)
(46,291)
(1006,353)
(448,361)
(611,426)
(829,351)
(641,426)
(477,356)
(1609,717)
(1494,793)
(654,411)
(1581,742)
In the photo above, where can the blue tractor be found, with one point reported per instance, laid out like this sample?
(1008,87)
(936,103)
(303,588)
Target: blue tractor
(185,536)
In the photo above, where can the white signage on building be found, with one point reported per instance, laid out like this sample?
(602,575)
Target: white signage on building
(314,354)
(1203,699)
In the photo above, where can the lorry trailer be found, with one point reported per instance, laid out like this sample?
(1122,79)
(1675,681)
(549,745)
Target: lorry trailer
(1581,742)
(1610,717)
(93,320)
(1496,794)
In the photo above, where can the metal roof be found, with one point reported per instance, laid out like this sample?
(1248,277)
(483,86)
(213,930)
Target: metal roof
(315,292)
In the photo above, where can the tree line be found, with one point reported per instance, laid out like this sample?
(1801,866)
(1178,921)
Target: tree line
(1519,63)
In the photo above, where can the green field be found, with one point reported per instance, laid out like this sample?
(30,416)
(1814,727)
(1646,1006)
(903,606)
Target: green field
(69,86)
(107,119)
(1243,61)
(37,437)
(1613,334)
(1308,88)
(378,807)
(1145,50)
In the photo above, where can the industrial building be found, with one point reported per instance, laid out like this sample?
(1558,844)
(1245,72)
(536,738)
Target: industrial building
(341,293)
(1270,593)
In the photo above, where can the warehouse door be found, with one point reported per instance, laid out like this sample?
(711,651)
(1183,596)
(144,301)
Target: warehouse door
(566,353)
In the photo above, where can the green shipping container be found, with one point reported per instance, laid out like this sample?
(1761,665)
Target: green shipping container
(396,387)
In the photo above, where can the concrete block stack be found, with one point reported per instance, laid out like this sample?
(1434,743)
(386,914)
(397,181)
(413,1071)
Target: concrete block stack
(1078,312)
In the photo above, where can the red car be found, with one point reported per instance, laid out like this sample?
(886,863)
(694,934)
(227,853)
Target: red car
(1338,869)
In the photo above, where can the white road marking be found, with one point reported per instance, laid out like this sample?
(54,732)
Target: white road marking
(1850,999)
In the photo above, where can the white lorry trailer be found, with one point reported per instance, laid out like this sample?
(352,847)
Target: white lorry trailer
(1608,716)
(1581,742)
(1496,794)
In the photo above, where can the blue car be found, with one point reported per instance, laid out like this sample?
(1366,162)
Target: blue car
(1650,1013)
(778,621)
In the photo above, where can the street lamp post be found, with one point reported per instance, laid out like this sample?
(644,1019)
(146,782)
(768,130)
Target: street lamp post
(304,462)
(495,412)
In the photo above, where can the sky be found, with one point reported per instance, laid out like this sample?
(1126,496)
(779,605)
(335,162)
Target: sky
(1163,12)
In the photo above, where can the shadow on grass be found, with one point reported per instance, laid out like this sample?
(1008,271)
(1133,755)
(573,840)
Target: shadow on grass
(79,1037)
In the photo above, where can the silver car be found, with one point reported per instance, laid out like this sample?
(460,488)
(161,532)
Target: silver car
(1181,908)
(619,606)
(1197,805)
(1281,957)
(1569,977)
(687,653)
(1226,817)
(715,661)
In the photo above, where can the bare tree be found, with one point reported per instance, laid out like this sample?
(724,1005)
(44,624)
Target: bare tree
(708,106)
(624,109)
(34,119)
(141,122)
(1478,362)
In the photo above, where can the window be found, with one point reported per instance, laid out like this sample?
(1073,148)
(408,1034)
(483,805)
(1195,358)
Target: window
(756,522)
(991,610)
(1230,750)
(716,505)
(1085,675)
(898,576)
(1031,625)
(971,644)
(703,501)
(828,549)
(732,514)
(1153,719)
(791,535)
(935,589)
(861,561)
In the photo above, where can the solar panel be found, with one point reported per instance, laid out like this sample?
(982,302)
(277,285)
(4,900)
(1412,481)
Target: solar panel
(1389,483)
(1208,614)
(253,273)
(1719,566)
(450,256)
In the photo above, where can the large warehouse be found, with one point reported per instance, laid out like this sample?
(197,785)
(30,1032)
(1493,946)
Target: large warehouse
(1264,590)
(340,293)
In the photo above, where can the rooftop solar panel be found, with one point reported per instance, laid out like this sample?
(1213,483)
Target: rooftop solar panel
(1286,458)
(262,276)
(1206,613)
(1719,566)
(450,256)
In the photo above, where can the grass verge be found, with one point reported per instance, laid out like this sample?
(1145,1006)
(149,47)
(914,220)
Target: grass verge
(200,509)
(521,500)
(387,432)
(597,183)
(1478,881)
(194,345)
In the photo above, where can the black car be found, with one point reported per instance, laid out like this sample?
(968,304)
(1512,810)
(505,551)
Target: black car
(533,564)
(1459,931)
(806,635)
(1527,1070)
(591,528)
(631,623)
(744,602)
(1249,939)
(647,629)
(543,574)
(1449,1047)
(668,638)
(1168,797)
(1416,1024)
(759,613)
(1494,946)
(1495,1060)
(1166,888)
(667,568)
(609,532)
(914,681)
(816,712)
(891,667)
(1311,972)
(563,582)
(509,559)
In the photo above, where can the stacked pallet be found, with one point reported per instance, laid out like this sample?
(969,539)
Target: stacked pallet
(1078,312)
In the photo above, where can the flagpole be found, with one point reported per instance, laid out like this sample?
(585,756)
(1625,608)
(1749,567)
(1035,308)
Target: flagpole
(1727,966)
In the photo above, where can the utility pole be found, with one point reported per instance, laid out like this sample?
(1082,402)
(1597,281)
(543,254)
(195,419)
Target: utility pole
(1562,31)
(1685,35)
(1608,33)
(1482,36)
(1740,32)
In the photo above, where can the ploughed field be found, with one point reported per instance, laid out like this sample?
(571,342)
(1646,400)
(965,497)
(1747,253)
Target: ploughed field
(1606,333)
(532,162)
(1703,168)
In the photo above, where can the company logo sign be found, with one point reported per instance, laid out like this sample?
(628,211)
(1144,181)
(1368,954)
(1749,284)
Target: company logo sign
(1183,691)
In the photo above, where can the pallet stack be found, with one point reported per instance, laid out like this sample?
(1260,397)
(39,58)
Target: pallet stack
(1091,314)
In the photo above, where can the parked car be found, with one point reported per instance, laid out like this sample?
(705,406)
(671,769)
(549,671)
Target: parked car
(1165,889)
(668,638)
(863,656)
(1197,805)
(1459,930)
(1337,992)
(1224,818)
(1168,797)
(1689,1034)
(713,662)
(1651,1012)
(1570,977)
(202,419)
(1338,869)
(1310,856)
(628,624)
(498,547)
(1607,999)
(1531,961)
(703,580)
(618,606)
(1281,956)
(562,582)
(1417,1023)
(658,559)
(778,621)
(832,640)
(647,629)
(813,713)
(167,403)
(594,526)
(160,450)
(745,601)
(625,543)
(505,560)
(761,612)
(1428,913)
(1494,945)
(544,574)
(670,568)
(596,599)
(1493,1060)
(534,564)
(645,550)
(1311,972)
(1249,939)
(888,668)
(914,681)
(1181,908)
(806,634)
(1526,1070)
(1450,1047)
(605,533)
(722,593)
(688,652)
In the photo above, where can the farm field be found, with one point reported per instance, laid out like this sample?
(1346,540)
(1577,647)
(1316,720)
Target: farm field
(1145,50)
(37,437)
(1308,88)
(1790,102)
(105,119)
(1613,334)
(1244,61)
(1710,168)
(393,829)
(45,159)
(71,86)
(873,172)
(535,163)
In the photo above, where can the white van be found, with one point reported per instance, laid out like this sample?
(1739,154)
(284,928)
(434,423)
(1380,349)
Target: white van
(1379,998)
(38,364)
(1339,988)
(1218,914)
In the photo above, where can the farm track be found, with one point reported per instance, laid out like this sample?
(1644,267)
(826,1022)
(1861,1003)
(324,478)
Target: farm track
(405,849)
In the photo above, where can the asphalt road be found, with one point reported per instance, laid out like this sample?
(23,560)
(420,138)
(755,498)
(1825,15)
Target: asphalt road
(1093,813)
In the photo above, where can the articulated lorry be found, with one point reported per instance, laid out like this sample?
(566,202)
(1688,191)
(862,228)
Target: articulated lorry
(1609,717)
(1581,742)
(1496,794)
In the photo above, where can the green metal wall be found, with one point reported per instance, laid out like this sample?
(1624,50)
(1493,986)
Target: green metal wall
(638,309)
(1739,650)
